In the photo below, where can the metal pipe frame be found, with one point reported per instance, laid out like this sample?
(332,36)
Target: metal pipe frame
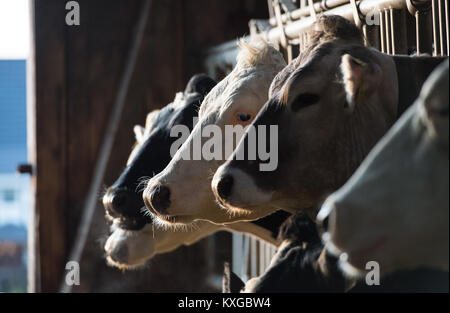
(366,7)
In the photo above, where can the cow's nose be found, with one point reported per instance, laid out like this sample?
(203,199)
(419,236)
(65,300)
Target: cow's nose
(119,200)
(224,186)
(158,198)
(115,202)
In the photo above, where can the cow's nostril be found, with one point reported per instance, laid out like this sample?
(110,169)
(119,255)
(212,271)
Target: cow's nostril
(224,186)
(119,199)
(324,224)
(323,217)
(160,199)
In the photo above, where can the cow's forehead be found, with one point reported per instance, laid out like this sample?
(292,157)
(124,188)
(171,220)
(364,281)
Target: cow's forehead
(246,83)
(314,68)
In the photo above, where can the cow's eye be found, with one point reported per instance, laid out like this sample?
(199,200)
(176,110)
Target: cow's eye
(304,100)
(244,117)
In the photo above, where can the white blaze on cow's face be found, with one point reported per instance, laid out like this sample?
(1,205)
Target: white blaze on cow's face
(234,101)
(395,208)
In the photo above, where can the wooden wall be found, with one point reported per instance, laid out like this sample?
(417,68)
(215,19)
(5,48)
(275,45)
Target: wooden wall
(78,69)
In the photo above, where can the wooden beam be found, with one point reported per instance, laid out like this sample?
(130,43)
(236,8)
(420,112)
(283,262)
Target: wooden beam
(50,122)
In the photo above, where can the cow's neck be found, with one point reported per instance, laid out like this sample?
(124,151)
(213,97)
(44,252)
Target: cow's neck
(265,229)
(412,73)
(272,222)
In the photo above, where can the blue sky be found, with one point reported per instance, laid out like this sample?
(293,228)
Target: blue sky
(15,42)
(13,137)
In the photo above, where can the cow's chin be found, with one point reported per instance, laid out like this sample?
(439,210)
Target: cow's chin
(128,250)
(239,209)
(173,222)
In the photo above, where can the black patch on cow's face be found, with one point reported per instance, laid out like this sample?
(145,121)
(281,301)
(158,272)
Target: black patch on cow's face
(271,114)
(154,155)
(273,222)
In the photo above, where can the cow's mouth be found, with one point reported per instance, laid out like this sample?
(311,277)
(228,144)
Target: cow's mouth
(179,222)
(244,209)
(130,223)
(136,222)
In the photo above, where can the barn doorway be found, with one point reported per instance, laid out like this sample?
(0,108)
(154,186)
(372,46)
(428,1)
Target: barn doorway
(15,188)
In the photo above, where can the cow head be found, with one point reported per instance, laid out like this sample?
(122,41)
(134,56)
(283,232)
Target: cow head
(395,208)
(329,106)
(181,193)
(133,241)
(123,200)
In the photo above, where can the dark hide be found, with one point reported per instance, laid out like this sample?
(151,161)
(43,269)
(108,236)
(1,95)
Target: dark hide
(231,283)
(153,156)
(301,265)
(412,73)
(418,280)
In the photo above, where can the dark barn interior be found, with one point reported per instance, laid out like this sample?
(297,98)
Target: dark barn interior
(78,70)
(89,85)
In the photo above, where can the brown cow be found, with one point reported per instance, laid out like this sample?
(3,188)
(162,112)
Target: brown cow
(331,106)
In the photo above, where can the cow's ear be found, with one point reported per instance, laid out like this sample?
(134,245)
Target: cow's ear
(360,79)
(139,132)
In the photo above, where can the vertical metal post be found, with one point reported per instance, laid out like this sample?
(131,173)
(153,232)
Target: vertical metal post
(436,32)
(442,28)
(253,255)
(387,30)
(446,26)
(382,32)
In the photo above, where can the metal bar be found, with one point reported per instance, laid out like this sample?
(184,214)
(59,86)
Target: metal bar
(382,33)
(105,149)
(446,27)
(305,10)
(312,11)
(391,21)
(436,41)
(441,29)
(280,26)
(268,256)
(293,29)
(236,257)
(246,258)
(253,260)
(387,21)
